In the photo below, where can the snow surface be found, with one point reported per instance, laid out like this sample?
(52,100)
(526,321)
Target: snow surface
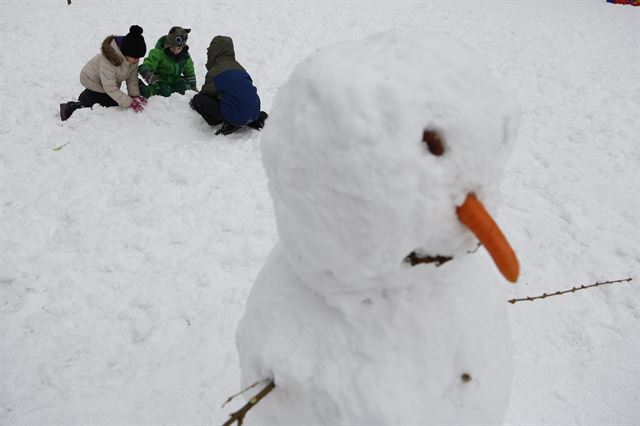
(128,254)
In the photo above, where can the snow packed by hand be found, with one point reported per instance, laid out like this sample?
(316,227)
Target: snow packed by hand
(348,330)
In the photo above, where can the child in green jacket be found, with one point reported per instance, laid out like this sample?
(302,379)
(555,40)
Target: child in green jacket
(169,67)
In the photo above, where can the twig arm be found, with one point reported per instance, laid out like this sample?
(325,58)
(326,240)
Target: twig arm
(238,416)
(243,391)
(571,290)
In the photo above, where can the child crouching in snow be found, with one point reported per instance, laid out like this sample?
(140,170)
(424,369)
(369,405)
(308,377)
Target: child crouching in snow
(103,75)
(169,67)
(228,96)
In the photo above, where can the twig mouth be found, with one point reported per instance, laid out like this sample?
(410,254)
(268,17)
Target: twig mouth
(415,259)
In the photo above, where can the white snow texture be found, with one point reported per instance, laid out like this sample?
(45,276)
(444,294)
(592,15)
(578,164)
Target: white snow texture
(127,255)
(357,192)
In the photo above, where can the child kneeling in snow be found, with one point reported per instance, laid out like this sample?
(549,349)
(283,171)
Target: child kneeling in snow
(228,96)
(103,75)
(169,68)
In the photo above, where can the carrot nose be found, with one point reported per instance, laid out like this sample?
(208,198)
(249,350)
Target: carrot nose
(475,217)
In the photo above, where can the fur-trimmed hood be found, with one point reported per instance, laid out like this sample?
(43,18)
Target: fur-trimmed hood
(106,71)
(111,51)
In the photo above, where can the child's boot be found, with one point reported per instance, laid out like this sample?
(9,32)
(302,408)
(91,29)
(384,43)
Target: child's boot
(258,123)
(67,109)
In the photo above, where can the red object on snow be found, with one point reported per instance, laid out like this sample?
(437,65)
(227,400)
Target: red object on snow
(629,2)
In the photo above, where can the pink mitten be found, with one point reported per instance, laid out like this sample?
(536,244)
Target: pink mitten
(137,105)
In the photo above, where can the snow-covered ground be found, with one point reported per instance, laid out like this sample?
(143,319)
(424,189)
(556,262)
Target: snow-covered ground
(128,253)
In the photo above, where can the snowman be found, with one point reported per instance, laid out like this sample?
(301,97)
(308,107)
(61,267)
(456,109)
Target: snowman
(384,301)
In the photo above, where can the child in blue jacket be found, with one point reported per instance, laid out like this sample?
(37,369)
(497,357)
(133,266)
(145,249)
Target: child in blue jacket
(228,96)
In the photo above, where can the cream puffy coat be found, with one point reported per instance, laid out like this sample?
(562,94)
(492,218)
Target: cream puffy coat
(106,71)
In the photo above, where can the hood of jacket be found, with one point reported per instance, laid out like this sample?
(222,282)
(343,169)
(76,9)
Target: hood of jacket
(160,42)
(111,51)
(220,50)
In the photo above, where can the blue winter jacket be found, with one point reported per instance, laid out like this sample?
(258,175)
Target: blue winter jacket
(229,82)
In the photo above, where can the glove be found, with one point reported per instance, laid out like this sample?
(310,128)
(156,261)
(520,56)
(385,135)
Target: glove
(258,123)
(227,129)
(150,77)
(138,103)
(191,83)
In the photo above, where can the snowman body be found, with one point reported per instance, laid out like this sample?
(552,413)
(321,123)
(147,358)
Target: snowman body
(350,332)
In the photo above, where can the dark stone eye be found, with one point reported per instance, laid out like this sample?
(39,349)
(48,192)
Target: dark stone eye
(434,142)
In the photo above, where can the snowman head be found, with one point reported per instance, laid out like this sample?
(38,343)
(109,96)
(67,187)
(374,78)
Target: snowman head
(372,148)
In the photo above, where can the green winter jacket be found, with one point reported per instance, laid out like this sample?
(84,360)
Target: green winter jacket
(169,68)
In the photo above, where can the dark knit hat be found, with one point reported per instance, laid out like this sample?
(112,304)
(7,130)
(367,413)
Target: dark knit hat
(133,43)
(177,37)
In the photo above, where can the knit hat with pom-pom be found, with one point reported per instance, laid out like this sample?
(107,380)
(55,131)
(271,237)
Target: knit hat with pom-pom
(133,44)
